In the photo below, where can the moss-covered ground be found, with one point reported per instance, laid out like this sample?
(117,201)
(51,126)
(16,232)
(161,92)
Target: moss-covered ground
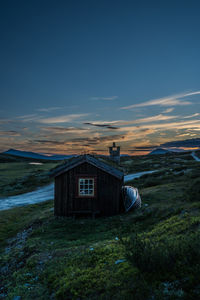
(151,253)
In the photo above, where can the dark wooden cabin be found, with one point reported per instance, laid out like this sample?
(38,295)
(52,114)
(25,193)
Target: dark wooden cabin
(86,185)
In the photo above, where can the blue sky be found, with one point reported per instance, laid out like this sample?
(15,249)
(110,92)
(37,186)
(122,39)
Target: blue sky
(77,75)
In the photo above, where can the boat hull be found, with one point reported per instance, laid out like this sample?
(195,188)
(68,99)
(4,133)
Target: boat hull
(131,198)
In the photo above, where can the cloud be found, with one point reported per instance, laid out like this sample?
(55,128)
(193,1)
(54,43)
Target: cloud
(192,124)
(165,101)
(10,133)
(153,119)
(63,130)
(113,124)
(49,109)
(76,143)
(99,139)
(192,116)
(186,134)
(101,125)
(62,119)
(142,151)
(168,110)
(48,142)
(145,148)
(107,123)
(105,98)
(51,120)
(29,118)
(5,121)
(55,136)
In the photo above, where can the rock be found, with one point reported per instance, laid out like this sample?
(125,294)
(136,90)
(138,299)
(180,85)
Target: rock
(17,298)
(170,289)
(36,278)
(119,261)
(5,269)
(20,264)
(7,250)
(21,253)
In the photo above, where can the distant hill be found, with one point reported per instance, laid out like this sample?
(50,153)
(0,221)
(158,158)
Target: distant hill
(160,151)
(183,143)
(177,146)
(33,155)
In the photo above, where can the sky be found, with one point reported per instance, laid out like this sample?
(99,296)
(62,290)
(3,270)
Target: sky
(76,75)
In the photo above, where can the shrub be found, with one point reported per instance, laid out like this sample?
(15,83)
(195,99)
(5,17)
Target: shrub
(193,192)
(159,258)
(152,182)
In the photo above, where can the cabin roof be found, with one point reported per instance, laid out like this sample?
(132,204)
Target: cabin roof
(91,160)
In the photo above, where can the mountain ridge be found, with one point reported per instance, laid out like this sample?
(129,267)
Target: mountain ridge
(34,155)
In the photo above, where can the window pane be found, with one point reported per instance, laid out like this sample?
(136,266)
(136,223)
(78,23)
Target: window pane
(86,186)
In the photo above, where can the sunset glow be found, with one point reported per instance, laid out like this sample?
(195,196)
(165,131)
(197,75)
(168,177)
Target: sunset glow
(76,77)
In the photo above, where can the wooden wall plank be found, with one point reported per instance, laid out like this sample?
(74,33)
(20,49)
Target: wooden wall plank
(108,192)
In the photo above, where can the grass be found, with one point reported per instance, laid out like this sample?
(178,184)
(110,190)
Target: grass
(20,177)
(155,162)
(17,219)
(151,253)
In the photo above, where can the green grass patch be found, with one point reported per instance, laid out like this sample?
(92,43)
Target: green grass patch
(17,219)
(21,177)
(151,253)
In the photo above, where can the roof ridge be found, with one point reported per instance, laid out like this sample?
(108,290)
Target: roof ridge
(90,159)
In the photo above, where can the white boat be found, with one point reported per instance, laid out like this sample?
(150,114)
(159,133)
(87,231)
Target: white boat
(131,198)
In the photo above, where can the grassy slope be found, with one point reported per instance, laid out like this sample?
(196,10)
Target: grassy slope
(19,177)
(62,258)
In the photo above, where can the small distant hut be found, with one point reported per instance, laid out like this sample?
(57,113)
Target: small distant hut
(114,152)
(87,185)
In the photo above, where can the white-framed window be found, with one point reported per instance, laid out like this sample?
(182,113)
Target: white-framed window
(86,187)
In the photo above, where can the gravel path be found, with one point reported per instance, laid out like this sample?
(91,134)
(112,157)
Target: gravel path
(39,195)
(137,175)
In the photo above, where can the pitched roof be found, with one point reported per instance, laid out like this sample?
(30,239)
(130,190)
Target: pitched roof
(89,159)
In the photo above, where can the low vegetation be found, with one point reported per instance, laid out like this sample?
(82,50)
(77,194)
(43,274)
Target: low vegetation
(22,176)
(151,253)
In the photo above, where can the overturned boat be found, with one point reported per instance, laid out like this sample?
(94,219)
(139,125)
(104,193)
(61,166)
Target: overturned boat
(131,198)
